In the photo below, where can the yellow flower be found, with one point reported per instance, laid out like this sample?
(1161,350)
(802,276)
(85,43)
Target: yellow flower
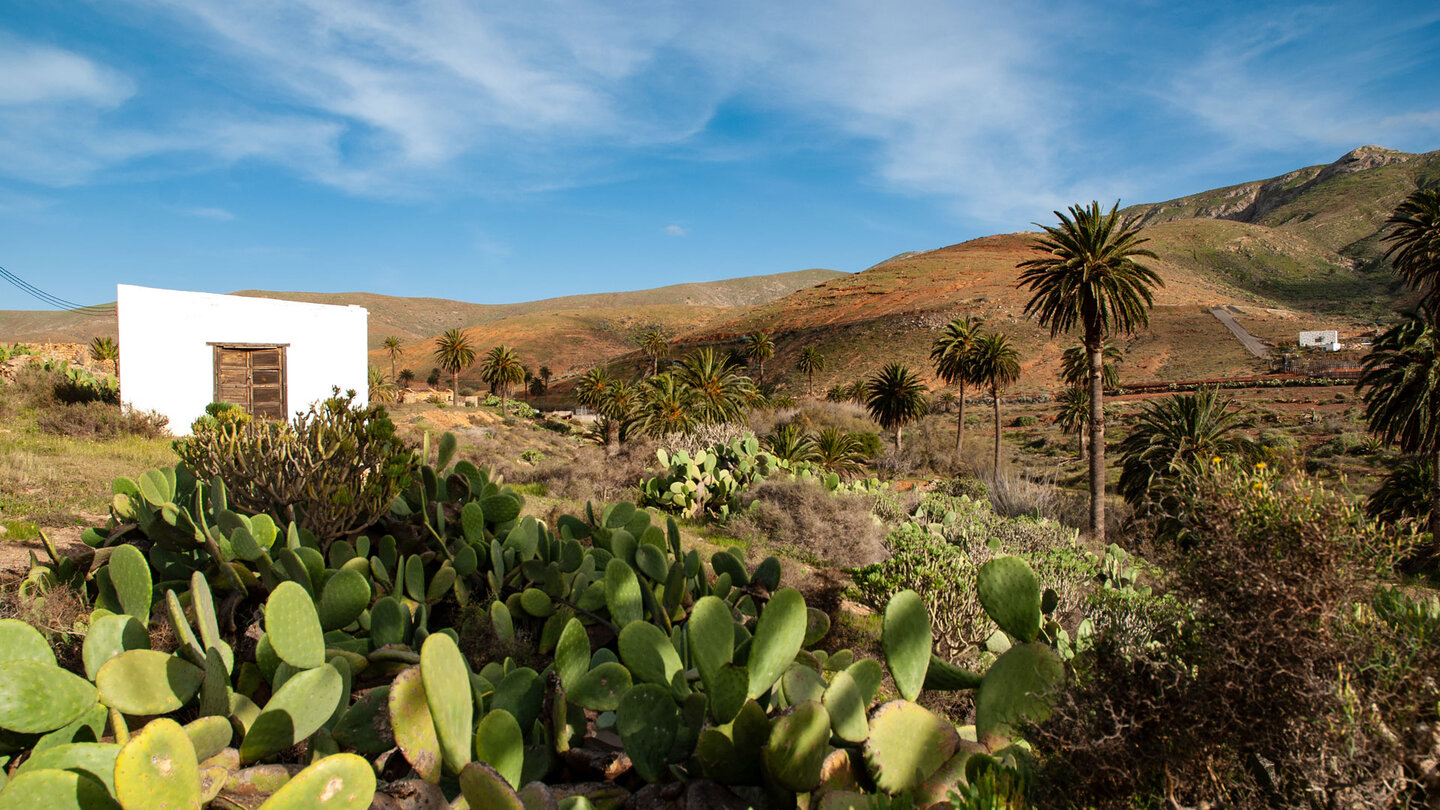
(1258,485)
(1261,465)
(1216,460)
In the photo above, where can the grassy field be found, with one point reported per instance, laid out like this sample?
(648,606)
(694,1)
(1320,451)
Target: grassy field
(52,481)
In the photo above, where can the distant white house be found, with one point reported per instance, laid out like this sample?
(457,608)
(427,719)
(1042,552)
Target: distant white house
(180,351)
(1328,339)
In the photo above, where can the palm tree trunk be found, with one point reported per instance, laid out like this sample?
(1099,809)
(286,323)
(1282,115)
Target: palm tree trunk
(455,389)
(612,437)
(392,368)
(1435,500)
(1097,436)
(810,385)
(960,426)
(898,446)
(995,392)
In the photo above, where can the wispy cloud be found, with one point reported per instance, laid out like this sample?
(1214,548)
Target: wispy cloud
(675,230)
(219,214)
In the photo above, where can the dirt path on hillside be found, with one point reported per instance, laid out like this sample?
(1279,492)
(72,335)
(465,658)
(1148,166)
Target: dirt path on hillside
(1251,342)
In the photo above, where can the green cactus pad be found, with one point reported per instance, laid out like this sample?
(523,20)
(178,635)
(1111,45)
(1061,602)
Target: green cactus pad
(522,693)
(293,627)
(158,769)
(446,679)
(838,771)
(1010,593)
(500,744)
(88,727)
(297,710)
(946,677)
(345,596)
(482,786)
(108,637)
(190,646)
(209,736)
(817,625)
(130,574)
(572,654)
(337,782)
(797,747)
(907,744)
(622,593)
(50,789)
(712,637)
(801,684)
(389,622)
(1018,687)
(502,621)
(647,652)
(847,703)
(647,720)
(92,759)
(905,637)
(778,636)
(21,642)
(212,780)
(412,726)
(726,563)
(727,692)
(652,562)
(536,603)
(147,682)
(365,726)
(215,686)
(600,688)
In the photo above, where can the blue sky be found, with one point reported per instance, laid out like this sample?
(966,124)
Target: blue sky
(499,152)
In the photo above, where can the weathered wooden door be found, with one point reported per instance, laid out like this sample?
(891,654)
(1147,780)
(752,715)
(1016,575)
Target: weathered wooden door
(253,377)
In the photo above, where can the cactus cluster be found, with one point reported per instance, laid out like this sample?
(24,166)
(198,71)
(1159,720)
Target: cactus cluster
(346,649)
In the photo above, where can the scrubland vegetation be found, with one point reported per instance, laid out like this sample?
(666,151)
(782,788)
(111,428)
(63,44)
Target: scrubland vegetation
(718,594)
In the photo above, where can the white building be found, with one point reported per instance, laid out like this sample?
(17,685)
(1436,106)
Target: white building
(180,351)
(1327,339)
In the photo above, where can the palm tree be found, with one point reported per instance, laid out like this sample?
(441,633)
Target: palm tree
(433,380)
(811,361)
(103,349)
(788,442)
(1172,435)
(1404,493)
(951,354)
(1075,366)
(1415,245)
(759,348)
(654,344)
(381,389)
(838,451)
(722,394)
(454,352)
(1400,385)
(997,364)
(405,378)
(545,374)
(392,346)
(1089,276)
(665,405)
(537,387)
(1074,413)
(501,370)
(895,397)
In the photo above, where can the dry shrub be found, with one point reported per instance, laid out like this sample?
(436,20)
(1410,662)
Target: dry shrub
(803,520)
(99,420)
(814,416)
(59,613)
(1014,494)
(588,473)
(1254,688)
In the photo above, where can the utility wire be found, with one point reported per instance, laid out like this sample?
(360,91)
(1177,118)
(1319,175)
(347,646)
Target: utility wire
(94,311)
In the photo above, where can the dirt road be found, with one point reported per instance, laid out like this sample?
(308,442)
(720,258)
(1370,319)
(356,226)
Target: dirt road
(1250,341)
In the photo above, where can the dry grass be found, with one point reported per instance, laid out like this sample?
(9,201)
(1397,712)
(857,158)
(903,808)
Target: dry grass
(800,519)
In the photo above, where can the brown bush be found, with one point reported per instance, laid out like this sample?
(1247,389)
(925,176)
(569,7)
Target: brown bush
(803,520)
(1257,688)
(100,420)
(585,472)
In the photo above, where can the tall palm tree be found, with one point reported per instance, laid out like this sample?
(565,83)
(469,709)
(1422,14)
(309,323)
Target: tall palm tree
(455,352)
(1075,366)
(665,405)
(951,354)
(545,374)
(1074,415)
(895,397)
(654,344)
(759,348)
(838,451)
(1415,245)
(105,349)
(1089,276)
(501,370)
(406,377)
(536,387)
(722,394)
(1171,435)
(392,346)
(811,361)
(996,364)
(1400,385)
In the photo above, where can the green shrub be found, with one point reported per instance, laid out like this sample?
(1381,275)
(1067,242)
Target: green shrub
(1024,420)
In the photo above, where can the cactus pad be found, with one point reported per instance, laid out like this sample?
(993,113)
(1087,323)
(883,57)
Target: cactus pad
(483,787)
(130,574)
(622,593)
(446,679)
(108,637)
(293,627)
(907,744)
(157,768)
(947,677)
(345,596)
(712,637)
(572,653)
(600,688)
(1018,686)
(209,736)
(647,721)
(846,703)
(51,789)
(797,747)
(147,682)
(649,655)
(21,642)
(297,710)
(92,759)
(337,782)
(779,635)
(412,726)
(1010,593)
(905,637)
(500,744)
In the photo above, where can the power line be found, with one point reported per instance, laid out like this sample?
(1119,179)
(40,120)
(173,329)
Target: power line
(94,311)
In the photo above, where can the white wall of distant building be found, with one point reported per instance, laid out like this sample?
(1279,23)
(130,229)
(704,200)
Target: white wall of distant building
(167,360)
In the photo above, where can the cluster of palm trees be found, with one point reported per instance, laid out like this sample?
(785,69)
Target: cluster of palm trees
(830,447)
(706,387)
(501,368)
(965,354)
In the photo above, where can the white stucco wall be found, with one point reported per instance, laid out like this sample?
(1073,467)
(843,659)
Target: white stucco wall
(167,362)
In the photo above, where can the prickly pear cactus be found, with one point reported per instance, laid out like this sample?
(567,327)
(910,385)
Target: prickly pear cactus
(157,769)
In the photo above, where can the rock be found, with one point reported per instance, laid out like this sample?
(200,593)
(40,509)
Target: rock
(538,796)
(410,794)
(696,794)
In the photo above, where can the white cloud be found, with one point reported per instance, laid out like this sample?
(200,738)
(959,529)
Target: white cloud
(31,73)
(203,212)
(675,230)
